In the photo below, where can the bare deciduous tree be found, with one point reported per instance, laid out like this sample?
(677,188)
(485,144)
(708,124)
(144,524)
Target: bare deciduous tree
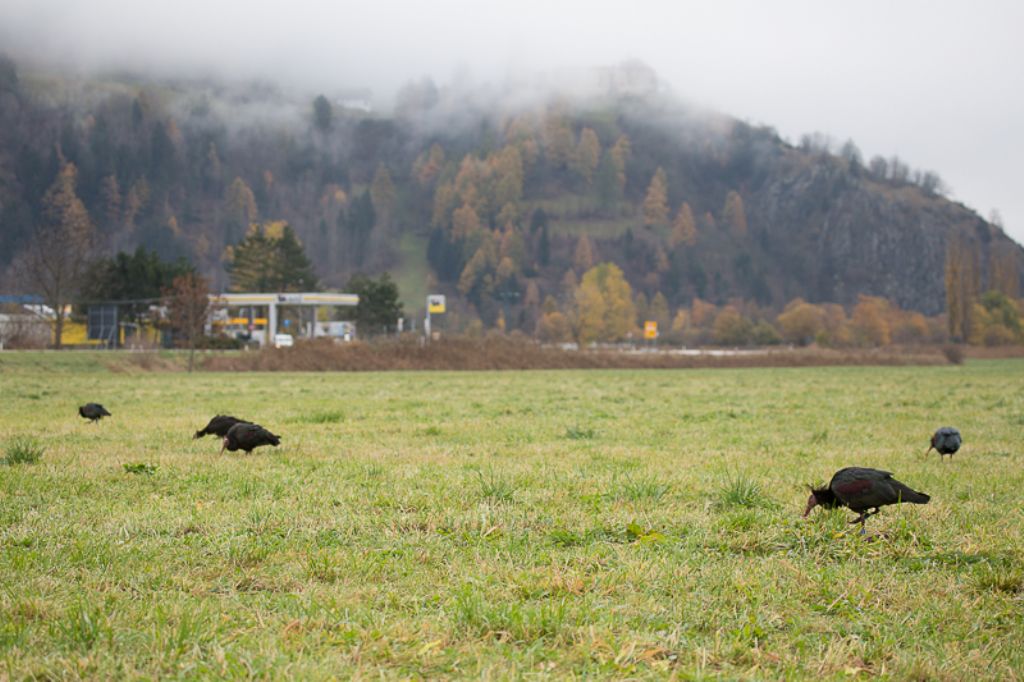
(58,255)
(188,305)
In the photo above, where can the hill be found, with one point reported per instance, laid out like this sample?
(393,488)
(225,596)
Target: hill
(494,195)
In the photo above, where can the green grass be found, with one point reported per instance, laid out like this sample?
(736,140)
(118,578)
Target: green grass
(607,524)
(140,468)
(412,272)
(22,450)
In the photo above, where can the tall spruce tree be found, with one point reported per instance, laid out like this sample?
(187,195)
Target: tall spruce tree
(270,258)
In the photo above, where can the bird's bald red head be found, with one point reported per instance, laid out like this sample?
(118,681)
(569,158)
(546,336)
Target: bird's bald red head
(812,502)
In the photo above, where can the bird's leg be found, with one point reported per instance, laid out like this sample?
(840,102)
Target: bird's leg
(864,517)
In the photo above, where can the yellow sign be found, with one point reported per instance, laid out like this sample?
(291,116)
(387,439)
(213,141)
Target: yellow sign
(650,329)
(435,304)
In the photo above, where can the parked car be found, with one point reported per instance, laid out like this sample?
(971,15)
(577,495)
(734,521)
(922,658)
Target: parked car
(283,341)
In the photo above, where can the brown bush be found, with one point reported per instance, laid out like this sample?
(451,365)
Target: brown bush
(503,353)
(954,354)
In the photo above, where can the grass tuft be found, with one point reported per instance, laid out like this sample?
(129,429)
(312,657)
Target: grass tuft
(23,450)
(1002,579)
(140,468)
(580,433)
(81,628)
(506,620)
(566,538)
(494,487)
(740,491)
(640,488)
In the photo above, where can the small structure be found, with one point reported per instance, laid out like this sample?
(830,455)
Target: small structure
(273,301)
(22,323)
(102,324)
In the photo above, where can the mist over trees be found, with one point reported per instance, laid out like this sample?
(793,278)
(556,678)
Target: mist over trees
(507,206)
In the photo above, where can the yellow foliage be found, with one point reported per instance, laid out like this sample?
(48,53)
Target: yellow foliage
(702,313)
(869,321)
(679,321)
(801,322)
(554,327)
(583,256)
(604,302)
(684,228)
(445,199)
(655,208)
(590,315)
(588,154)
(734,214)
(731,328)
(658,310)
(273,229)
(465,222)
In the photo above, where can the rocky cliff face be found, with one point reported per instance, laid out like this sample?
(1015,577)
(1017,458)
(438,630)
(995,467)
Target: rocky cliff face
(842,234)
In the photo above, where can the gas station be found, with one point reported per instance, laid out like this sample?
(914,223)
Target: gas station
(273,301)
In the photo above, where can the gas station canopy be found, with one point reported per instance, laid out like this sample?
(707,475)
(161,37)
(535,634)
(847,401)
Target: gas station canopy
(273,300)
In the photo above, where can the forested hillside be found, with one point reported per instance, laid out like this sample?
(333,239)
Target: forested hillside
(503,200)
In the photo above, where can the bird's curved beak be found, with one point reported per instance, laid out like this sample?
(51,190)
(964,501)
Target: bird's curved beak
(812,502)
(223,444)
(930,448)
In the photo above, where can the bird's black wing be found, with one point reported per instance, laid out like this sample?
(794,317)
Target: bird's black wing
(860,488)
(261,436)
(219,426)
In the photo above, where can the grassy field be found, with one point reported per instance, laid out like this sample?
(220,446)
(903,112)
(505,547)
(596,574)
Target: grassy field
(619,524)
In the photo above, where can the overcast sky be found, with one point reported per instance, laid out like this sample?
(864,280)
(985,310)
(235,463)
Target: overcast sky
(938,83)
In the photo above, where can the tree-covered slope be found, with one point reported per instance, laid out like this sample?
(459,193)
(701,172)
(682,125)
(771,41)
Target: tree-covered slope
(496,198)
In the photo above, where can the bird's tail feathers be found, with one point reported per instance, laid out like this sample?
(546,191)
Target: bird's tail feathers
(912,496)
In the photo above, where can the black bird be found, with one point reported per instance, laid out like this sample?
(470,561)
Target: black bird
(219,426)
(93,412)
(246,437)
(862,489)
(945,441)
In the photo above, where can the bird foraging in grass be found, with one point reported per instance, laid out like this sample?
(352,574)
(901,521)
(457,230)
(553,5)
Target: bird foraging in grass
(945,441)
(93,412)
(246,437)
(862,489)
(219,426)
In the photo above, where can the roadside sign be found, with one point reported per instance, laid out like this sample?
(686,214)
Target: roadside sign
(435,304)
(650,329)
